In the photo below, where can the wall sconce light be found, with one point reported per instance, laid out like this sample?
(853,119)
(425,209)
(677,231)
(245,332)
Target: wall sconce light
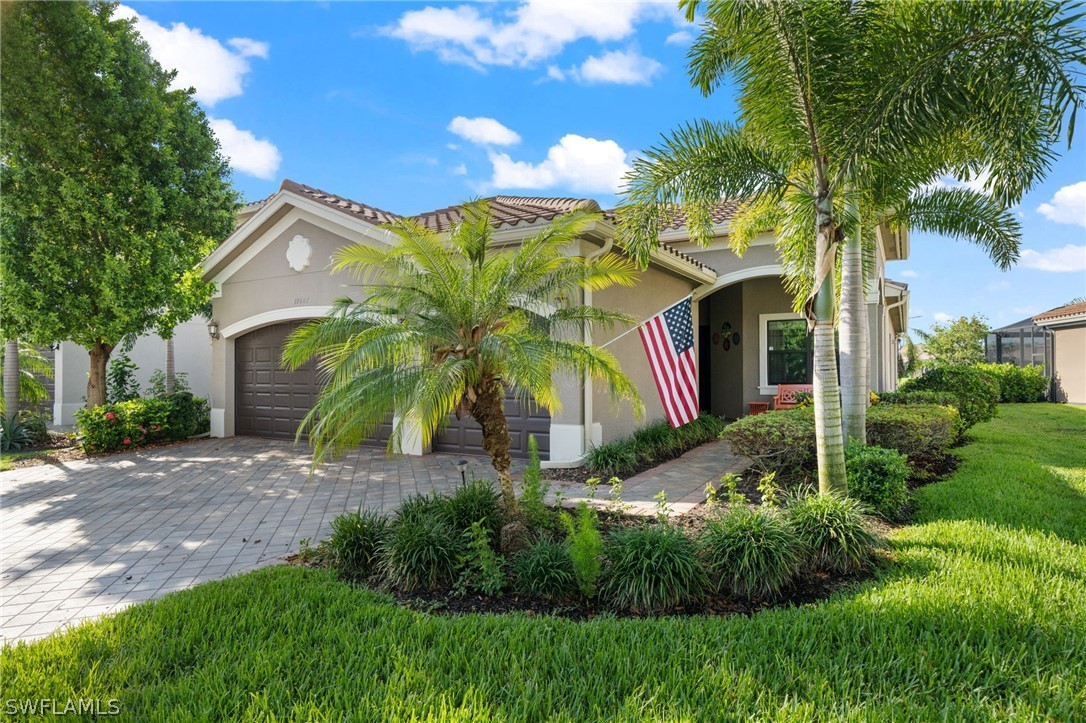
(213,329)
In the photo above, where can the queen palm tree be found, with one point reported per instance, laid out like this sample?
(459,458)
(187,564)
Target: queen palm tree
(847,111)
(21,365)
(450,321)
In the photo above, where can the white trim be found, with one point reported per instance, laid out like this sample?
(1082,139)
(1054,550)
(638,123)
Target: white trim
(764,387)
(267,318)
(218,422)
(1059,321)
(753,272)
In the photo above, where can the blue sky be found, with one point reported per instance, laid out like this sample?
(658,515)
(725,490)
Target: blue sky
(416,106)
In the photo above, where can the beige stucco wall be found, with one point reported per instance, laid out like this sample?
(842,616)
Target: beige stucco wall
(1069,364)
(655,291)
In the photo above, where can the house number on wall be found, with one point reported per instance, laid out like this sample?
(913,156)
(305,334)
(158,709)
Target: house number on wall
(301,300)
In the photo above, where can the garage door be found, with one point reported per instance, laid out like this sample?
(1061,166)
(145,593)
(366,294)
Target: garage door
(465,437)
(271,401)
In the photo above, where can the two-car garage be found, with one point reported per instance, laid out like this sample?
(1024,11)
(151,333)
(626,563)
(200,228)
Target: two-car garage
(271,401)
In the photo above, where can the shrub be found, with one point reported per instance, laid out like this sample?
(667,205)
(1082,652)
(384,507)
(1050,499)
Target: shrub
(36,425)
(421,552)
(480,568)
(616,459)
(126,425)
(356,540)
(977,392)
(878,477)
(833,531)
(924,433)
(781,441)
(533,499)
(475,501)
(585,546)
(121,384)
(751,552)
(545,569)
(652,569)
(156,385)
(422,506)
(1018,384)
(945,399)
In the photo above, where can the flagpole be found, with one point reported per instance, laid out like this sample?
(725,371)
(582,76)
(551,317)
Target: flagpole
(653,316)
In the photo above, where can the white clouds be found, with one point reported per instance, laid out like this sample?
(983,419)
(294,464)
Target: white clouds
(977,183)
(1067,258)
(576,163)
(247,153)
(483,131)
(680,37)
(460,170)
(622,67)
(1068,205)
(532,32)
(201,61)
(908,274)
(941,317)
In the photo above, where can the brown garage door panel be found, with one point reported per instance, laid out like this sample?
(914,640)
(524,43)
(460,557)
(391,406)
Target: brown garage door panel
(272,401)
(464,436)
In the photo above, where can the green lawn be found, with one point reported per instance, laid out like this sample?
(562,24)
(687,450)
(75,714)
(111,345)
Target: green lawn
(982,617)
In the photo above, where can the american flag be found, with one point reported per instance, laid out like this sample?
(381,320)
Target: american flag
(669,343)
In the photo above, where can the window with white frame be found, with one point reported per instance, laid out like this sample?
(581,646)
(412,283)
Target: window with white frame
(786,351)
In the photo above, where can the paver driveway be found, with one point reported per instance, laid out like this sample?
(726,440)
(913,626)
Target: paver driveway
(85,538)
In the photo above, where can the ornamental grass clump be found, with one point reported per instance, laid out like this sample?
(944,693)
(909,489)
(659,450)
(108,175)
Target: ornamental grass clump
(751,552)
(545,569)
(356,540)
(652,569)
(834,532)
(421,552)
(422,506)
(477,500)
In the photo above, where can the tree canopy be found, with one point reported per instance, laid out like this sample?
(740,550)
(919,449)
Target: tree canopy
(113,184)
(956,342)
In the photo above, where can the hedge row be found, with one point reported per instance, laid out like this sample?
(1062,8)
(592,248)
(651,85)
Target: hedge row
(137,422)
(1018,384)
(784,441)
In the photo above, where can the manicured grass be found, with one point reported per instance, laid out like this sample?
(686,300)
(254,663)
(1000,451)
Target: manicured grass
(982,616)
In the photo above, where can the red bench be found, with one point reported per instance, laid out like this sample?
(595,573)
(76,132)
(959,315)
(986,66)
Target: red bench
(786,394)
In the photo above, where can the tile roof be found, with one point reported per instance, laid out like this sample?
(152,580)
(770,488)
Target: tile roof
(346,205)
(721,213)
(1069,310)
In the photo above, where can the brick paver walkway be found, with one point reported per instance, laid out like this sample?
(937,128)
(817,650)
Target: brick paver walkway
(81,539)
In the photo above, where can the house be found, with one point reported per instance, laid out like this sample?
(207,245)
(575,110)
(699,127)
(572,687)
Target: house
(1023,343)
(1068,370)
(272,274)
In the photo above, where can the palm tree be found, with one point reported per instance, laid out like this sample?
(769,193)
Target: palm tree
(21,382)
(847,110)
(452,320)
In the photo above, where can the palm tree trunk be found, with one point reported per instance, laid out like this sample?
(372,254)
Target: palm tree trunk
(854,373)
(11,377)
(96,378)
(169,366)
(489,412)
(829,442)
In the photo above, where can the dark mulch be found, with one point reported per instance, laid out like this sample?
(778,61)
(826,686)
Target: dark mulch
(812,589)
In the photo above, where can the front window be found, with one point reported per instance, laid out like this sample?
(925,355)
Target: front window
(789,352)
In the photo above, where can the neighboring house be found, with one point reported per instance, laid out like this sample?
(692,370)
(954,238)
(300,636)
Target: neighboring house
(272,274)
(1022,343)
(192,356)
(1068,371)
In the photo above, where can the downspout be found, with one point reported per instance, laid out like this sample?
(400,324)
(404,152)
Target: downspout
(588,411)
(889,308)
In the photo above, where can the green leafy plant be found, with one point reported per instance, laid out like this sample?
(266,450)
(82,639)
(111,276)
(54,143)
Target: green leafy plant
(834,531)
(732,494)
(480,567)
(751,552)
(713,497)
(652,569)
(124,425)
(654,443)
(422,506)
(615,505)
(533,498)
(121,383)
(976,391)
(356,541)
(475,501)
(663,512)
(36,425)
(771,491)
(924,433)
(545,569)
(156,385)
(780,441)
(585,546)
(1018,384)
(188,415)
(878,477)
(421,552)
(33,367)
(14,435)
